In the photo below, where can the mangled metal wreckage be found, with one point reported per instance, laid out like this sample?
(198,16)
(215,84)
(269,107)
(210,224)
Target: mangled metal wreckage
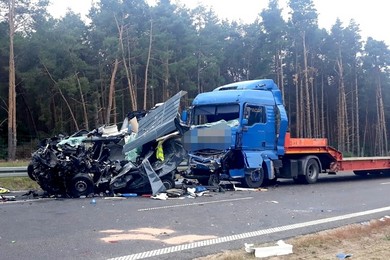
(141,157)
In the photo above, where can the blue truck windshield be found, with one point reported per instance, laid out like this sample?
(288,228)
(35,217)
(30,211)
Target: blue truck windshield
(214,113)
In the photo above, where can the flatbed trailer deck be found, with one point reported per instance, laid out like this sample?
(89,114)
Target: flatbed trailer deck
(320,147)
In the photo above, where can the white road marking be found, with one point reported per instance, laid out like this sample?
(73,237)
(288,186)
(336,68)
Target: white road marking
(384,183)
(196,203)
(262,232)
(23,201)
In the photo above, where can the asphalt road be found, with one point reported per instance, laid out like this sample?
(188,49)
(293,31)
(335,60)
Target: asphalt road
(137,228)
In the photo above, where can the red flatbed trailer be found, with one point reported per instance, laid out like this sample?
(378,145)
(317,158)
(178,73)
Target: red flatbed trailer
(320,148)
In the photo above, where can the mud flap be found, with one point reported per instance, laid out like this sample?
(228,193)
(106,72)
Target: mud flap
(155,181)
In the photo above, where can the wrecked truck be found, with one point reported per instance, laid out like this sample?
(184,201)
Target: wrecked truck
(237,133)
(142,157)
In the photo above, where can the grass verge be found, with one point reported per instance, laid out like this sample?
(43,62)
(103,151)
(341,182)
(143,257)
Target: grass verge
(18,183)
(16,163)
(370,240)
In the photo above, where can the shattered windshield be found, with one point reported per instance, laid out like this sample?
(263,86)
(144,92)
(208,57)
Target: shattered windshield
(214,113)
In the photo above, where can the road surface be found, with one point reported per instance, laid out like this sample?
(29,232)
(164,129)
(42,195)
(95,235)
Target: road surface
(138,228)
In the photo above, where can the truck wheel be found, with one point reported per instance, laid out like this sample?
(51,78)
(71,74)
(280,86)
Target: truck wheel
(81,185)
(169,183)
(30,172)
(253,179)
(311,172)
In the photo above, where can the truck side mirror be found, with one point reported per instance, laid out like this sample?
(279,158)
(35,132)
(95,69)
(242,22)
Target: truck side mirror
(244,121)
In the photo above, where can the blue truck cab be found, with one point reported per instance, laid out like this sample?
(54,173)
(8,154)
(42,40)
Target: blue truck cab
(237,133)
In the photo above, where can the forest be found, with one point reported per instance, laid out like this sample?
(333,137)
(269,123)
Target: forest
(63,75)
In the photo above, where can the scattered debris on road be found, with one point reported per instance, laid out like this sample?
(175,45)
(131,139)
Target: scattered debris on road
(4,190)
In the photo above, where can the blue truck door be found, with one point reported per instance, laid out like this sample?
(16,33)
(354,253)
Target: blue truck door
(258,127)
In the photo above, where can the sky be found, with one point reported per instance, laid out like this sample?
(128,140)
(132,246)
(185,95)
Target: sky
(372,15)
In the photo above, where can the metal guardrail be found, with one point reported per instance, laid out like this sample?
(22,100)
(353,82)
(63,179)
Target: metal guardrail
(20,171)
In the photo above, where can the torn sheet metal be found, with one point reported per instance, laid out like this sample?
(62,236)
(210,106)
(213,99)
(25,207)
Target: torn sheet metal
(160,121)
(155,181)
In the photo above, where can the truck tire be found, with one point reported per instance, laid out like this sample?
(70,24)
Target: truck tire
(168,182)
(312,170)
(253,178)
(30,172)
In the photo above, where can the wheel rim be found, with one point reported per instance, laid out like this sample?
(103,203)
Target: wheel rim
(81,186)
(168,184)
(255,176)
(311,171)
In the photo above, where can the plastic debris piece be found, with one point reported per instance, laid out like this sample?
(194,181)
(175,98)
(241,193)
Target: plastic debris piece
(197,191)
(191,192)
(200,188)
(128,195)
(4,190)
(93,202)
(7,198)
(203,193)
(114,198)
(174,193)
(343,256)
(248,189)
(249,248)
(160,196)
(281,248)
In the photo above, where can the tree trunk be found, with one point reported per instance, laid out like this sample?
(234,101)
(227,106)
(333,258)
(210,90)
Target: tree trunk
(166,79)
(357,120)
(147,65)
(322,112)
(85,115)
(381,120)
(111,92)
(306,98)
(343,126)
(133,94)
(297,107)
(281,83)
(12,86)
(62,96)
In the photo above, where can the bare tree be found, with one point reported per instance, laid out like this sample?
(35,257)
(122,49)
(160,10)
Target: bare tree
(83,103)
(381,136)
(63,97)
(132,90)
(111,91)
(147,63)
(343,133)
(11,85)
(308,125)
